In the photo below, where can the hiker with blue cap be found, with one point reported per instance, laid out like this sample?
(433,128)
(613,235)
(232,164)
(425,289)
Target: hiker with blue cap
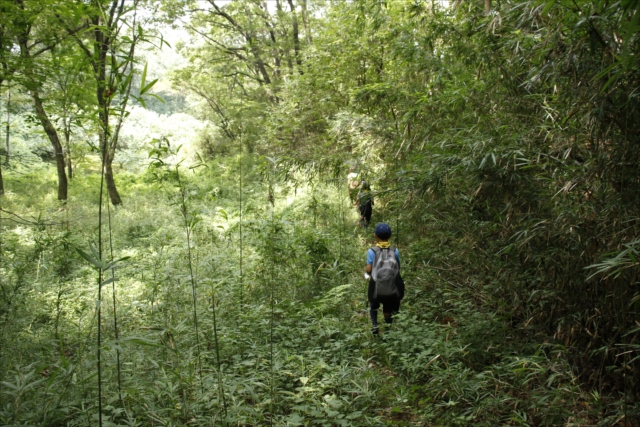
(386,286)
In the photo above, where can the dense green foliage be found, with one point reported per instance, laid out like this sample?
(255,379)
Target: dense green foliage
(500,144)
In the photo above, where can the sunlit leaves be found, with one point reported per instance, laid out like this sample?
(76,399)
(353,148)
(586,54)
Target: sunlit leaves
(95,259)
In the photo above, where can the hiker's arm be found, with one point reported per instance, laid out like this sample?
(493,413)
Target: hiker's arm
(370,257)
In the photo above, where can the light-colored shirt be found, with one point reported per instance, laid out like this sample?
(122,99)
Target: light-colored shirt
(352,180)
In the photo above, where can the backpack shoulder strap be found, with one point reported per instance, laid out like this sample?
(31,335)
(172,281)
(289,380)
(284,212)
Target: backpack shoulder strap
(376,251)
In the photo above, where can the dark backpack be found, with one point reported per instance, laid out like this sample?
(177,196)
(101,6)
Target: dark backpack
(365,197)
(385,271)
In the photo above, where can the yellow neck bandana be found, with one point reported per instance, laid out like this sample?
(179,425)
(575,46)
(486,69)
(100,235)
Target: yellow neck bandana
(383,245)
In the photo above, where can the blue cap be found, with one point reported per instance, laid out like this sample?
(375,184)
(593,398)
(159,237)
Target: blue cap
(383,230)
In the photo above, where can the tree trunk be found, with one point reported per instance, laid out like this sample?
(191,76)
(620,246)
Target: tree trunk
(278,52)
(67,140)
(111,184)
(305,21)
(1,183)
(8,126)
(249,37)
(51,132)
(487,7)
(103,95)
(257,54)
(296,37)
(1,180)
(49,129)
(69,165)
(108,154)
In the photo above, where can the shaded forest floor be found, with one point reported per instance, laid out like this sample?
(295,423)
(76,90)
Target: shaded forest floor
(252,320)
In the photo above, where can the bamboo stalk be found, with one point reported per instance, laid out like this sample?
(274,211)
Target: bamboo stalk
(241,243)
(115,313)
(100,274)
(217,348)
(185,215)
(272,304)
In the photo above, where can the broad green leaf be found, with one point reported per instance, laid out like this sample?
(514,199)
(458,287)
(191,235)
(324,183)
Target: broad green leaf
(112,264)
(108,281)
(96,263)
(144,89)
(156,97)
(140,100)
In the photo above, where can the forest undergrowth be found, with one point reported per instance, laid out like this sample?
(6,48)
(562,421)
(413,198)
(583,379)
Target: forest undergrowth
(223,283)
(240,301)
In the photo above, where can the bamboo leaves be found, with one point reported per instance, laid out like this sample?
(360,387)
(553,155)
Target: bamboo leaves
(616,265)
(93,258)
(145,87)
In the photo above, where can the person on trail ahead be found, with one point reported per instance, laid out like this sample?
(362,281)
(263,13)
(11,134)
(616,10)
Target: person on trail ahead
(352,184)
(386,286)
(365,201)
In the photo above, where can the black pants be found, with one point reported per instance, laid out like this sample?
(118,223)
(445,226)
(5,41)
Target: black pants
(390,303)
(366,209)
